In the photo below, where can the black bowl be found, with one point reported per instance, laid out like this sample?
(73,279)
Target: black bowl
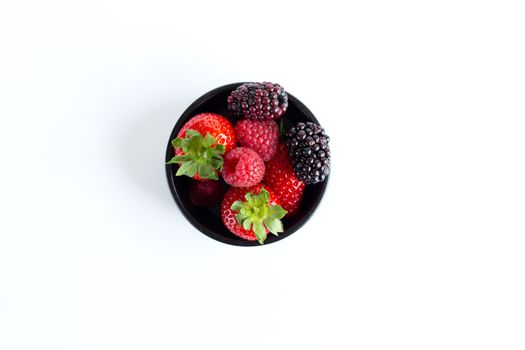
(208,220)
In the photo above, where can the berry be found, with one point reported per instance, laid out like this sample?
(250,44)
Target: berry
(281,178)
(250,213)
(309,151)
(206,192)
(200,144)
(258,101)
(242,167)
(261,136)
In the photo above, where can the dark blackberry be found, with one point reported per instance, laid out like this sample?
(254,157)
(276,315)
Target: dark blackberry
(258,101)
(309,151)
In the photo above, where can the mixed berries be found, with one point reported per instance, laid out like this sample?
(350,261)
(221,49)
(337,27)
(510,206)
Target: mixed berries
(256,172)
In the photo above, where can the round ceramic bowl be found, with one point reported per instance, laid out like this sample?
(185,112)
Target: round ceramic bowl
(208,219)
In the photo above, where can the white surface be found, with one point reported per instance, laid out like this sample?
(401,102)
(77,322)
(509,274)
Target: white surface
(419,242)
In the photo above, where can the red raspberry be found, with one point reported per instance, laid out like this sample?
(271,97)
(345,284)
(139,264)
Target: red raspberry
(242,167)
(261,136)
(206,192)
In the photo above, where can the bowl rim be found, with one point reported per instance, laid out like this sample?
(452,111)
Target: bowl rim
(176,196)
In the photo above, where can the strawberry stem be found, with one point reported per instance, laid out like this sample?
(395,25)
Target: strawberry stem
(202,155)
(258,215)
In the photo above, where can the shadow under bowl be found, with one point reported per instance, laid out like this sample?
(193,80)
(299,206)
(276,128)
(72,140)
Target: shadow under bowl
(208,219)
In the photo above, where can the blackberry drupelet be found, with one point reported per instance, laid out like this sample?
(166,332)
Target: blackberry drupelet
(309,151)
(258,101)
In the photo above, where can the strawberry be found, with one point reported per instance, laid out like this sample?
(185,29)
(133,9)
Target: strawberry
(206,192)
(250,213)
(261,136)
(281,177)
(200,144)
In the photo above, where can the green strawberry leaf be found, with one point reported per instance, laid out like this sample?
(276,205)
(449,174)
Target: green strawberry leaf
(265,195)
(209,140)
(257,214)
(217,162)
(260,232)
(240,218)
(206,172)
(219,149)
(181,159)
(276,212)
(177,143)
(189,168)
(201,155)
(172,161)
(190,133)
(274,225)
(195,142)
(247,224)
(237,205)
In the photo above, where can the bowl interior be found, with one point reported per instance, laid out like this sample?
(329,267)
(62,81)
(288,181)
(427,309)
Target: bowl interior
(208,219)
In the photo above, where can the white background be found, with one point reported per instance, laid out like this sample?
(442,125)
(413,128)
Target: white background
(418,244)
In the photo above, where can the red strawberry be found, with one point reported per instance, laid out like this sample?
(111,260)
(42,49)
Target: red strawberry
(282,179)
(261,136)
(200,144)
(250,213)
(242,168)
(206,192)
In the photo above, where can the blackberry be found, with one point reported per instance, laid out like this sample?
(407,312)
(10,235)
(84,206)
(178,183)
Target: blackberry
(258,101)
(309,151)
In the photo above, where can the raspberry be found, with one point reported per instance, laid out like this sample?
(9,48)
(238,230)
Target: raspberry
(242,167)
(261,136)
(258,101)
(206,192)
